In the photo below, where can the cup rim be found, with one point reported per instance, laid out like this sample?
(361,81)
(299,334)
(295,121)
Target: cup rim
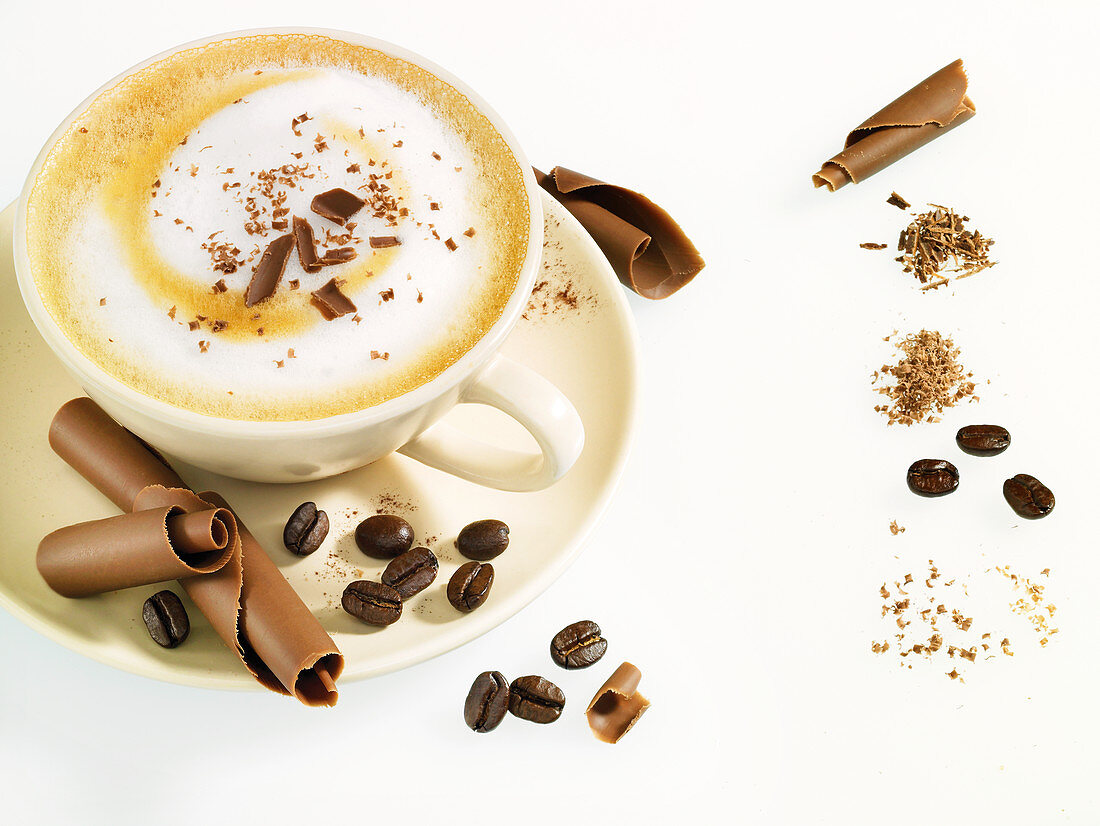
(91,374)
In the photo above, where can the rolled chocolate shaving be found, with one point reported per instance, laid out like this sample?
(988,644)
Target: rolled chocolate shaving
(307,250)
(136,549)
(617,706)
(270,270)
(282,645)
(933,107)
(648,250)
(257,613)
(113,459)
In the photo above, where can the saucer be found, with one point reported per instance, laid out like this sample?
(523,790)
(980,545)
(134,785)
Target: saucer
(578,332)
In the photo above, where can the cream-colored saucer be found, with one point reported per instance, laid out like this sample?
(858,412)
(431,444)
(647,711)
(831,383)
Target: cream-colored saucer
(578,333)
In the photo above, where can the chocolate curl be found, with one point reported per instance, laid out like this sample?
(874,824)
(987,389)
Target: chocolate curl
(933,107)
(135,549)
(617,706)
(108,455)
(258,614)
(645,246)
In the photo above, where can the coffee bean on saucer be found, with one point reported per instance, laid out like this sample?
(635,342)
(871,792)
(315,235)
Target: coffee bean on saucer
(578,645)
(384,536)
(166,619)
(305,530)
(983,439)
(412,572)
(469,586)
(483,540)
(487,702)
(1029,497)
(372,602)
(536,699)
(932,477)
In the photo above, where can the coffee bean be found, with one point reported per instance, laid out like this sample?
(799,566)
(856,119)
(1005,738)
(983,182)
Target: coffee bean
(305,530)
(384,536)
(932,477)
(469,586)
(536,699)
(983,439)
(487,702)
(372,602)
(578,645)
(166,619)
(412,572)
(1029,497)
(483,540)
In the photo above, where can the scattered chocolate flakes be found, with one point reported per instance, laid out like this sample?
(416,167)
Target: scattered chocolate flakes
(419,297)
(331,302)
(319,144)
(398,144)
(279,363)
(307,248)
(1033,605)
(218,326)
(218,286)
(895,528)
(204,346)
(357,318)
(937,242)
(871,245)
(450,244)
(434,205)
(290,353)
(470,233)
(374,354)
(382,241)
(337,205)
(927,379)
(172,311)
(387,294)
(193,325)
(298,121)
(898,201)
(437,156)
(266,276)
(103,302)
(294,283)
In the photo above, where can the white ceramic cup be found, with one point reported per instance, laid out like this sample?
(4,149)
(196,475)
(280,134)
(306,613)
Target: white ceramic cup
(298,451)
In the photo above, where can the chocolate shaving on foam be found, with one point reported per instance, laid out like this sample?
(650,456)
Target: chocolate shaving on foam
(617,706)
(337,205)
(331,302)
(139,548)
(648,250)
(270,270)
(307,248)
(933,107)
(248,602)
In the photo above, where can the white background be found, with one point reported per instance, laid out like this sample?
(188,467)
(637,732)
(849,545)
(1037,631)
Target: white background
(740,562)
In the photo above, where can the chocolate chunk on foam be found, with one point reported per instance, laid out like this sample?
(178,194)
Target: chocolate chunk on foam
(337,205)
(270,270)
(331,302)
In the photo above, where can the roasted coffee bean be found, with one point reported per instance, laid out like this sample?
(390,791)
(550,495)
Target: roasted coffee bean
(469,586)
(932,477)
(1029,497)
(578,645)
(983,439)
(536,699)
(483,540)
(411,572)
(384,536)
(372,602)
(305,530)
(166,619)
(487,702)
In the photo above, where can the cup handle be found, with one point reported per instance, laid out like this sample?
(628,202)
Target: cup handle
(533,402)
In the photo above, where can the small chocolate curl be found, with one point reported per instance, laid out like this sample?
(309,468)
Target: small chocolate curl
(645,246)
(139,548)
(933,107)
(617,706)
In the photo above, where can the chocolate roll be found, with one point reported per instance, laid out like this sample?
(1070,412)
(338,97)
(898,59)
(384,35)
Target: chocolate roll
(136,549)
(617,706)
(933,107)
(645,246)
(247,600)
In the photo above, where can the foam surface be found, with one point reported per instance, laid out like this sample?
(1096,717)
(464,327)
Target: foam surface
(143,245)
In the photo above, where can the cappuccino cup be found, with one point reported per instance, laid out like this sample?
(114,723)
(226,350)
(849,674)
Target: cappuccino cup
(283,254)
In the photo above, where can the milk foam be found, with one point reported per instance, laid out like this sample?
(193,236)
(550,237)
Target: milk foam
(139,277)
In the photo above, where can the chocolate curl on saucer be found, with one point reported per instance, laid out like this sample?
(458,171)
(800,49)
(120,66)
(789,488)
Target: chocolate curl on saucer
(247,600)
(646,247)
(933,107)
(136,549)
(617,706)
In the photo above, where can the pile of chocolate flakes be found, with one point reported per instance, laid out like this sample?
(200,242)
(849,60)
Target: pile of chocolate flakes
(927,379)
